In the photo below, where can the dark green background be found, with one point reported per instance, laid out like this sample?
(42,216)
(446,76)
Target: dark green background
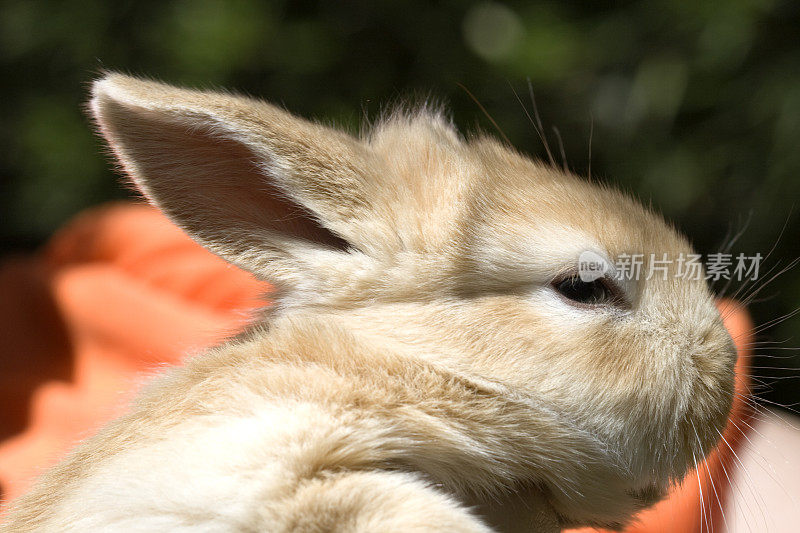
(695,104)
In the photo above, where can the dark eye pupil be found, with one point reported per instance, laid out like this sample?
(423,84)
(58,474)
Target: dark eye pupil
(587,292)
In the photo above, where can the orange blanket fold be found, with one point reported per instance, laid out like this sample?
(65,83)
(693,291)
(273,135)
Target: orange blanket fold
(120,292)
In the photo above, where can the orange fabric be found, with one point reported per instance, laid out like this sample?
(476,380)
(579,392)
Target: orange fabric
(120,292)
(117,293)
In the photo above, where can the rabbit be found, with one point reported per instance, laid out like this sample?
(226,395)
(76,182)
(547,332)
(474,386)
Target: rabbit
(433,359)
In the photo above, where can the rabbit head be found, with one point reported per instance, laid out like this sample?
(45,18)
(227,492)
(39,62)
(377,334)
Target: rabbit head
(458,251)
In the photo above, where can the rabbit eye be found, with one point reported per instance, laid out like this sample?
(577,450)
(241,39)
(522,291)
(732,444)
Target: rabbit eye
(586,292)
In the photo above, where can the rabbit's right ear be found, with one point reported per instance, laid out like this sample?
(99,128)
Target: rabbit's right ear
(263,189)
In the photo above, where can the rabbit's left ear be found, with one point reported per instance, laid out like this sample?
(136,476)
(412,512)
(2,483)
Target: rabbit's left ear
(247,180)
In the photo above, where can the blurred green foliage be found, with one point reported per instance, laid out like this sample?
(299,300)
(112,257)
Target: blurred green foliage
(693,104)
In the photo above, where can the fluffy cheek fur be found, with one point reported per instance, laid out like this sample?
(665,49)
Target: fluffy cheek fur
(654,403)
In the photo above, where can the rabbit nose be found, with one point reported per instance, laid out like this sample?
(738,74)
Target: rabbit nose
(717,339)
(714,352)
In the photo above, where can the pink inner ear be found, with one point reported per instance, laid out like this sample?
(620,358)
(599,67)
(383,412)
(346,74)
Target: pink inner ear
(213,187)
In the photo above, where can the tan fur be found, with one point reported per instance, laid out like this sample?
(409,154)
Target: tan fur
(419,372)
